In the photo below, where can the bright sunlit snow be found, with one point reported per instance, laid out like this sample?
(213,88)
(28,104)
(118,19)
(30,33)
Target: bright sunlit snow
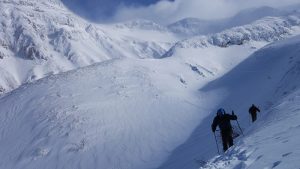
(140,95)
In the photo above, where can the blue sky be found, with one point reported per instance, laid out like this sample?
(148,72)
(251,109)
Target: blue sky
(104,9)
(164,11)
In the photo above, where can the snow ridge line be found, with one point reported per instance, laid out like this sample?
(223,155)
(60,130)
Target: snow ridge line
(268,29)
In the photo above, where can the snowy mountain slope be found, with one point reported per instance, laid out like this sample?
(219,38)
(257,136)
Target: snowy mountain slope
(39,38)
(135,111)
(130,113)
(195,26)
(265,78)
(266,30)
(272,141)
(118,114)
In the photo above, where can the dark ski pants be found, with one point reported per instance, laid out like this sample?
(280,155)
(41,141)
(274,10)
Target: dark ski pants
(254,117)
(227,139)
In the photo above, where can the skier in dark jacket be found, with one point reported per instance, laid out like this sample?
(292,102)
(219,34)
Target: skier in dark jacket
(223,121)
(252,110)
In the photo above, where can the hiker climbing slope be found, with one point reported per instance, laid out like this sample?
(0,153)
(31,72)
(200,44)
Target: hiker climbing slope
(222,120)
(253,111)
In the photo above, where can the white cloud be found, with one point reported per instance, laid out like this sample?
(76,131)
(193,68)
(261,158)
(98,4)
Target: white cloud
(160,12)
(167,12)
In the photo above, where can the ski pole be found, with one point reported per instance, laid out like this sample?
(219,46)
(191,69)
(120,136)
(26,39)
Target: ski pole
(217,143)
(238,123)
(239,127)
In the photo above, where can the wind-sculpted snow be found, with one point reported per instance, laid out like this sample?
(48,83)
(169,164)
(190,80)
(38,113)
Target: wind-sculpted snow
(268,29)
(44,37)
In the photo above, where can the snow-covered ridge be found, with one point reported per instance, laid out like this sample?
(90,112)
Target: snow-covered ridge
(268,29)
(38,38)
(38,29)
(113,113)
(33,3)
(196,26)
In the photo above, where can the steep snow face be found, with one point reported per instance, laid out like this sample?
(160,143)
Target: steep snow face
(271,78)
(270,143)
(39,38)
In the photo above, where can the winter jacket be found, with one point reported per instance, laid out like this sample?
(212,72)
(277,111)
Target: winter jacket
(253,110)
(223,122)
